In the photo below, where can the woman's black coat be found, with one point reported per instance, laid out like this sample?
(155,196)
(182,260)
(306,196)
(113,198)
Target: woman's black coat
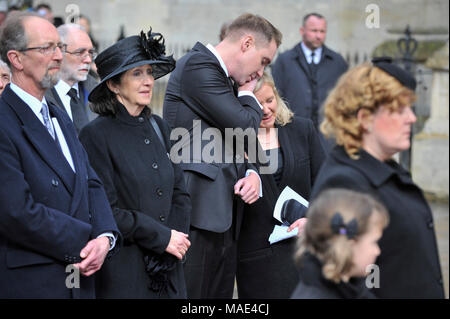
(409,261)
(148,198)
(264,270)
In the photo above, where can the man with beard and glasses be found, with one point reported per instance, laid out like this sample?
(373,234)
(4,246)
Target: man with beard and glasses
(56,225)
(72,90)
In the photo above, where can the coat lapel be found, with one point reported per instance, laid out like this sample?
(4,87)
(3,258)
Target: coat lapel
(41,140)
(52,97)
(301,59)
(80,169)
(288,156)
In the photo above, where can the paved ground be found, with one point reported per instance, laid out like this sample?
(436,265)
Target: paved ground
(441,221)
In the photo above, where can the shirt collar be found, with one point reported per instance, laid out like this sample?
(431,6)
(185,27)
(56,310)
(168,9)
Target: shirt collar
(63,88)
(307,51)
(29,100)
(216,54)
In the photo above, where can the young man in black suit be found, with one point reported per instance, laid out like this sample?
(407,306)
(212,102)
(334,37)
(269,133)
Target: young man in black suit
(212,88)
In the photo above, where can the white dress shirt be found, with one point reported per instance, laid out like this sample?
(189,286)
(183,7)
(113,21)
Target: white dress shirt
(62,88)
(307,51)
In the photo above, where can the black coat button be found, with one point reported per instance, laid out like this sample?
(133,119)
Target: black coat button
(147,141)
(155,165)
(159,192)
(162,218)
(55,182)
(141,119)
(430,224)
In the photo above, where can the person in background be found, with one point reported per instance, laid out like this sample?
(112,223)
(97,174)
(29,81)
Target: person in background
(72,90)
(128,146)
(45,11)
(85,22)
(5,75)
(3,10)
(369,114)
(298,153)
(339,243)
(306,74)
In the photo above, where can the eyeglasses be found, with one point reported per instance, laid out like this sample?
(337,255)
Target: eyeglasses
(83,53)
(48,49)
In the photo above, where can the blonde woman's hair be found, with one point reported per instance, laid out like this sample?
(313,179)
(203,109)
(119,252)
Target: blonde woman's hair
(333,249)
(284,114)
(364,87)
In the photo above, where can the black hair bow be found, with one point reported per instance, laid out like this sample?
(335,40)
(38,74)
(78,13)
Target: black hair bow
(340,228)
(153,44)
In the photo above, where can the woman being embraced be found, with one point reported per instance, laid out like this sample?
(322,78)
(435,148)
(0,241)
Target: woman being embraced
(128,147)
(369,113)
(292,147)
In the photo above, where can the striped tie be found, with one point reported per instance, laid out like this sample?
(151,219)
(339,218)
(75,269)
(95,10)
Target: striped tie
(47,121)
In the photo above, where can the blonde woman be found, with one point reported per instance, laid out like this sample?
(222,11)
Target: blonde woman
(369,113)
(338,244)
(264,270)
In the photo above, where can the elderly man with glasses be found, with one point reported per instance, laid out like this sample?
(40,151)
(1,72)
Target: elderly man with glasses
(56,224)
(72,90)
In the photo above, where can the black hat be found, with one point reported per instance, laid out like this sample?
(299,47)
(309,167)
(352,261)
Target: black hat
(385,63)
(129,53)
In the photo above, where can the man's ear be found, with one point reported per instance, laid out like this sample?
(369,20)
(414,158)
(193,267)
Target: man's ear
(302,31)
(247,42)
(15,58)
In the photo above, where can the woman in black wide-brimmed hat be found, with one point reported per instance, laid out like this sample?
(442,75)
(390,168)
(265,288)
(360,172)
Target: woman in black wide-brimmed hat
(128,147)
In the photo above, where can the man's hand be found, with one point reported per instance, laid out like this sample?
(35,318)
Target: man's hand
(248,188)
(300,223)
(249,86)
(93,254)
(178,244)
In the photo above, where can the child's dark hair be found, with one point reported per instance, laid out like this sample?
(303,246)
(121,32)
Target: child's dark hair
(336,218)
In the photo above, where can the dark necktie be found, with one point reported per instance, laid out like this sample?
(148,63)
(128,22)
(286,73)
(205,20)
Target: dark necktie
(312,65)
(78,109)
(314,93)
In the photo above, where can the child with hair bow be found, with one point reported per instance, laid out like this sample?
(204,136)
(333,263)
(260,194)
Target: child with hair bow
(340,241)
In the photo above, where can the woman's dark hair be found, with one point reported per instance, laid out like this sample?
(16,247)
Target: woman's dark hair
(107,103)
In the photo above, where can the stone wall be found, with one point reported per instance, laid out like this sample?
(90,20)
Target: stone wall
(430,149)
(188,21)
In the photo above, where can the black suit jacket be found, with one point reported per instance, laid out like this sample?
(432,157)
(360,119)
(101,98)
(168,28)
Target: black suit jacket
(409,260)
(48,213)
(85,88)
(200,97)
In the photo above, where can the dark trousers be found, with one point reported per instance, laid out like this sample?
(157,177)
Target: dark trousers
(210,266)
